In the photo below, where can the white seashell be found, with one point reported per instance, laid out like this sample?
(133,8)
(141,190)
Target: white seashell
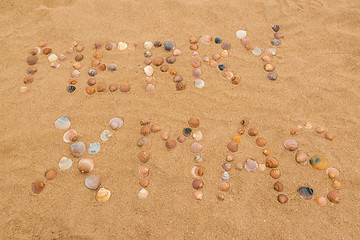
(256,51)
(240,34)
(94,148)
(65,163)
(149,70)
(262,167)
(105,135)
(143,193)
(176,52)
(271,51)
(225,176)
(38,50)
(148,45)
(116,123)
(199,83)
(307,125)
(52,58)
(62,123)
(195,54)
(70,136)
(122,46)
(197,135)
(103,195)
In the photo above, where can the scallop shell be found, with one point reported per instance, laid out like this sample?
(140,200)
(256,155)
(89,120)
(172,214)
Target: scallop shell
(197,194)
(105,135)
(197,183)
(62,123)
(144,143)
(78,149)
(301,157)
(164,135)
(50,174)
(144,121)
(232,146)
(240,34)
(187,131)
(122,46)
(37,187)
(224,53)
(197,171)
(93,182)
(199,83)
(332,172)
(143,171)
(267,152)
(70,136)
(148,45)
(275,173)
(333,197)
(65,163)
(225,176)
(144,156)
(94,148)
(251,165)
(103,195)
(319,162)
(291,144)
(321,201)
(115,123)
(85,165)
(143,193)
(148,70)
(224,186)
(197,73)
(170,144)
(305,192)
(145,130)
(256,51)
(196,147)
(278,186)
(271,162)
(197,135)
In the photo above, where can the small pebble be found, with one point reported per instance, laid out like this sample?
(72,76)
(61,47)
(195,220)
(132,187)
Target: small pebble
(218,40)
(276,42)
(71,88)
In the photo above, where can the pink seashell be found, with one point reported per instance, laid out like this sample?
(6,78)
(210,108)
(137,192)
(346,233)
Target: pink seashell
(196,147)
(290,144)
(251,165)
(150,87)
(115,123)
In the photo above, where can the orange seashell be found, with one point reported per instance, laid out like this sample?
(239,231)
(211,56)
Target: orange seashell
(193,40)
(90,90)
(293,132)
(102,67)
(197,194)
(197,171)
(144,121)
(244,122)
(336,185)
(50,174)
(95,63)
(164,135)
(321,201)
(235,79)
(239,165)
(290,144)
(72,81)
(240,131)
(194,122)
(32,60)
(77,65)
(145,130)
(197,183)
(278,35)
(282,198)
(144,143)
(181,139)
(155,128)
(319,162)
(85,165)
(253,132)
(224,53)
(97,55)
(269,67)
(275,173)
(194,47)
(158,61)
(232,146)
(301,157)
(164,68)
(330,136)
(180,86)
(266,58)
(101,87)
(42,44)
(173,72)
(237,138)
(333,197)
(143,171)
(260,142)
(319,130)
(332,172)
(213,63)
(221,196)
(47,51)
(38,186)
(113,87)
(144,156)
(79,48)
(271,162)
(249,47)
(278,186)
(124,87)
(266,152)
(28,80)
(170,144)
(228,75)
(144,182)
(224,186)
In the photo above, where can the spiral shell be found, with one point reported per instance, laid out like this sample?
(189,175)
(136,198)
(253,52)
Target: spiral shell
(143,171)
(251,165)
(275,173)
(301,157)
(232,146)
(291,144)
(93,182)
(197,171)
(85,165)
(196,148)
(224,186)
(197,183)
(143,193)
(70,136)
(103,195)
(78,149)
(278,186)
(332,172)
(305,192)
(271,162)
(37,187)
(319,162)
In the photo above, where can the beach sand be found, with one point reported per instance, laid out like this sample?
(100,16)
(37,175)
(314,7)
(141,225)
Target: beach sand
(318,67)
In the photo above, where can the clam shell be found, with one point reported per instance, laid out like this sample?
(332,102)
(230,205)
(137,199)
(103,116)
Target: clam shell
(291,144)
(145,130)
(93,182)
(305,192)
(143,171)
(144,143)
(197,194)
(197,73)
(197,171)
(198,158)
(271,162)
(262,167)
(275,173)
(232,146)
(239,165)
(170,144)
(144,121)
(321,201)
(32,60)
(230,157)
(75,74)
(336,185)
(333,197)
(256,51)
(85,165)
(35,51)
(197,135)
(329,135)
(194,122)
(332,172)
(251,165)
(193,40)
(37,187)
(155,128)
(187,132)
(52,58)
(124,87)
(143,193)
(144,156)
(103,195)
(271,51)
(319,130)
(301,157)
(260,142)
(176,52)
(206,39)
(282,198)
(252,131)
(105,135)
(276,42)
(94,148)
(92,72)
(235,79)
(112,67)
(226,166)
(245,42)
(158,61)
(148,70)
(110,46)
(62,123)
(148,45)
(293,132)
(278,186)
(224,186)
(197,183)
(50,174)
(150,88)
(199,83)
(70,136)
(226,45)
(240,34)
(164,135)
(225,176)
(319,162)
(195,63)
(196,147)
(220,196)
(122,46)
(78,149)
(168,46)
(269,67)
(116,123)
(65,163)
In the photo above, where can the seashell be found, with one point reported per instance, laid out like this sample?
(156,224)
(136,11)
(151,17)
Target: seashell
(112,67)
(216,57)
(79,57)
(194,47)
(193,40)
(103,195)
(333,197)
(144,143)
(197,171)
(94,148)
(266,58)
(62,123)
(269,67)
(271,51)
(176,52)
(236,79)
(180,86)
(77,65)
(55,64)
(213,63)
(147,54)
(196,147)
(197,183)
(221,196)
(124,87)
(71,88)
(170,144)
(168,46)
(42,44)
(330,136)
(31,70)
(332,172)
(278,186)
(93,182)
(251,165)
(90,90)
(144,182)
(148,71)
(194,122)
(197,194)
(150,88)
(198,158)
(245,42)
(224,53)
(121,46)
(79,48)
(239,165)
(230,157)
(249,47)
(50,174)
(70,136)
(226,166)
(224,186)
(321,201)
(275,28)
(305,192)
(228,75)
(301,157)
(65,163)
(170,59)
(319,162)
(85,165)
(271,162)
(218,40)
(267,152)
(116,123)
(282,198)
(96,63)
(195,63)
(35,51)
(187,132)
(28,80)
(144,121)
(158,61)
(150,79)
(253,132)
(37,187)
(143,171)
(256,51)
(232,146)
(319,130)
(197,135)
(260,142)
(271,76)
(78,149)
(206,39)
(52,58)
(293,132)
(290,144)
(336,185)
(32,60)
(113,87)
(157,44)
(144,156)
(307,125)
(92,72)
(240,34)
(62,57)
(97,55)
(148,45)
(110,46)
(47,51)
(275,173)
(145,130)
(142,194)
(206,59)
(199,83)
(237,138)
(197,73)
(276,42)
(225,176)
(278,35)
(226,45)
(155,128)
(221,67)
(105,135)
(102,67)
(75,74)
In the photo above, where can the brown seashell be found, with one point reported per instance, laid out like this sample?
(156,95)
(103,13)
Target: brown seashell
(31,70)
(193,40)
(319,130)
(143,171)
(110,46)
(260,142)
(98,45)
(181,139)
(177,78)
(275,173)
(144,182)
(90,90)
(101,87)
(290,145)
(28,80)
(95,63)
(332,172)
(157,44)
(164,135)
(170,59)
(278,35)
(72,81)
(113,87)
(102,67)
(197,194)
(244,122)
(34,51)
(157,61)
(42,44)
(47,51)
(245,41)
(195,63)
(38,186)
(147,61)
(282,198)
(79,48)
(230,157)
(333,197)
(216,57)
(50,174)
(197,183)
(155,128)
(144,121)
(144,156)
(164,68)
(235,79)
(124,87)
(269,67)
(144,142)
(145,130)
(301,157)
(194,47)
(224,186)
(97,55)
(267,152)
(266,58)
(32,60)
(150,80)
(278,186)
(194,122)
(336,185)
(170,144)
(77,65)
(85,165)
(293,132)
(197,171)
(221,196)
(226,166)
(239,165)
(271,162)
(249,47)
(180,86)
(79,57)
(253,132)
(232,146)
(330,136)
(321,201)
